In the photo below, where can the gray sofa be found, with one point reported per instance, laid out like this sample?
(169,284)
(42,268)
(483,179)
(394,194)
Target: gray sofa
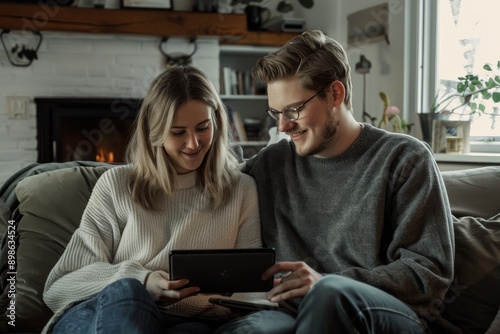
(43,203)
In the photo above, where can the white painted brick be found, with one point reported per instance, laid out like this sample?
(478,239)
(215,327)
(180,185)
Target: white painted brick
(111,47)
(120,71)
(4,133)
(71,71)
(136,61)
(98,70)
(76,58)
(15,155)
(122,85)
(28,144)
(7,145)
(63,46)
(45,70)
(20,123)
(23,133)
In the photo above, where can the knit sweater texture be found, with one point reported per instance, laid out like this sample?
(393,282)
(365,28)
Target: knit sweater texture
(377,213)
(118,238)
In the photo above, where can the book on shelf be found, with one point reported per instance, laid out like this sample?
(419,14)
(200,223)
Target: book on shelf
(253,127)
(236,82)
(240,133)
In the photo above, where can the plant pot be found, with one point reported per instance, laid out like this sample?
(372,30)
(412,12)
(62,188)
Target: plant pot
(426,120)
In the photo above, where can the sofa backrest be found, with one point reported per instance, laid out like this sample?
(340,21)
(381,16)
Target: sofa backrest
(474,192)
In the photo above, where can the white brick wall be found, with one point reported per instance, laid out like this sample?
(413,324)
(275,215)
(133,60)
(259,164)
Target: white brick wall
(84,65)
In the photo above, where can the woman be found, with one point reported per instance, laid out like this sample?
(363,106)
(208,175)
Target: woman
(182,189)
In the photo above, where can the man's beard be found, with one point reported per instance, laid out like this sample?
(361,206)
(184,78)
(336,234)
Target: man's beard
(327,137)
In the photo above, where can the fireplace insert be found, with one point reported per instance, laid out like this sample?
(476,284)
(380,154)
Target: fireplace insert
(90,129)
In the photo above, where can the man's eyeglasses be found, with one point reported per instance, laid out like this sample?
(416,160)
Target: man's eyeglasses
(292,113)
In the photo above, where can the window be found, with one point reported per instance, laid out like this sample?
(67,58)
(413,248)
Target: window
(465,39)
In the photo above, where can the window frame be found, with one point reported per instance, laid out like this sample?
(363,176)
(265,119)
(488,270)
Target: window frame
(421,81)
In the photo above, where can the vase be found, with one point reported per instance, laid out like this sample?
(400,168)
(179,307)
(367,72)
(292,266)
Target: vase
(426,120)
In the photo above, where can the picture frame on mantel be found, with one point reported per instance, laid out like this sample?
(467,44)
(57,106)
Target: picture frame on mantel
(147,4)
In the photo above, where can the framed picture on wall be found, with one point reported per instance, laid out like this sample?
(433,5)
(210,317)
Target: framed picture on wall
(147,4)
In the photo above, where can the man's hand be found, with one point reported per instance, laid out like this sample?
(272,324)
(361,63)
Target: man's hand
(296,283)
(167,292)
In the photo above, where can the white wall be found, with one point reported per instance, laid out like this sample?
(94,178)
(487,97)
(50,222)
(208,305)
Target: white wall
(86,66)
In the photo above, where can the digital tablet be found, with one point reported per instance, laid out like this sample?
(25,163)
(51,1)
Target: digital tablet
(223,270)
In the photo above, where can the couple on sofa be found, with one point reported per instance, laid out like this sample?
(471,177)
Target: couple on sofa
(359,217)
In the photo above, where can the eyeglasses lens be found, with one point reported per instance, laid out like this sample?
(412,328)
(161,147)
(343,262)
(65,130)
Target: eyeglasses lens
(290,113)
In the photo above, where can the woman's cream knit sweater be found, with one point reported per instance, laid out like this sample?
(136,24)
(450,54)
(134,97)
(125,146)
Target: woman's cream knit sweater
(117,238)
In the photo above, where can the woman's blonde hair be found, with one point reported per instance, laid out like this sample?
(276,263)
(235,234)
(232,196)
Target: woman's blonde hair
(314,58)
(153,174)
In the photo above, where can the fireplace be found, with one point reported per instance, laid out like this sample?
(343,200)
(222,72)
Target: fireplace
(89,129)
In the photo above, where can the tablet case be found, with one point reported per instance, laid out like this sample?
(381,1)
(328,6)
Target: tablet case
(223,270)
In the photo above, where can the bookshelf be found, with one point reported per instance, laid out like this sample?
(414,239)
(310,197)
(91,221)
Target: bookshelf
(248,102)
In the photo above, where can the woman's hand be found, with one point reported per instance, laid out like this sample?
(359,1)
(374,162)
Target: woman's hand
(296,283)
(167,292)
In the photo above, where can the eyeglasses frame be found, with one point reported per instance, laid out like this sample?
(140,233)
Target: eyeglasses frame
(275,113)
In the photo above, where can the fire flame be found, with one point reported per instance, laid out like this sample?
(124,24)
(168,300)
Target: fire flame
(104,156)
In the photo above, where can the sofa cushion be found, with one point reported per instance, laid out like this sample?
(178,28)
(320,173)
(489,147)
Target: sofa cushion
(52,204)
(473,300)
(474,192)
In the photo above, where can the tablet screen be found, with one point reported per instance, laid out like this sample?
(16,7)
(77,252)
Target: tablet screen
(223,270)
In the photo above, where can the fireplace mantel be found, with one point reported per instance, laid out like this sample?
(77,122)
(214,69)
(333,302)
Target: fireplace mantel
(229,28)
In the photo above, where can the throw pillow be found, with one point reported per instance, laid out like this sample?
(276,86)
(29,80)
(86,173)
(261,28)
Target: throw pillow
(52,204)
(473,300)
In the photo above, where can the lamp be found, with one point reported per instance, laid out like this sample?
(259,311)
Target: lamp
(363,66)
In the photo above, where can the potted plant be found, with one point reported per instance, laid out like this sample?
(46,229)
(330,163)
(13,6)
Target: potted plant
(391,119)
(471,91)
(467,98)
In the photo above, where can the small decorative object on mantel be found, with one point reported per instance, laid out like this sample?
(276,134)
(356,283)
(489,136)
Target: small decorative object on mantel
(149,4)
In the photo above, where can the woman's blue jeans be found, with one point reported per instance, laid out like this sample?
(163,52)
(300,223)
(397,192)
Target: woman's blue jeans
(124,306)
(335,304)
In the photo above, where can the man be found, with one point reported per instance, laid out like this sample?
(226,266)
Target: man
(358,216)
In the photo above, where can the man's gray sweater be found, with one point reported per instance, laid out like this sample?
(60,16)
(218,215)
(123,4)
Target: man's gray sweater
(378,213)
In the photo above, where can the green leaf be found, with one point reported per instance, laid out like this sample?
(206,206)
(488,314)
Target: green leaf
(496,97)
(461,78)
(461,87)
(482,107)
(487,67)
(473,106)
(497,78)
(498,64)
(472,87)
(490,83)
(486,94)
(476,82)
